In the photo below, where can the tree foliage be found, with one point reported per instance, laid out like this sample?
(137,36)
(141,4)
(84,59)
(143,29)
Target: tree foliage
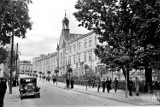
(130,28)
(14,17)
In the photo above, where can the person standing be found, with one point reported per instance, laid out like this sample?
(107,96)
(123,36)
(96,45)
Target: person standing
(103,85)
(67,83)
(108,84)
(72,83)
(93,83)
(137,83)
(130,87)
(115,84)
(98,84)
(3,88)
(157,85)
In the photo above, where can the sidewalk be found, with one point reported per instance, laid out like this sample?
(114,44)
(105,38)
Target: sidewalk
(12,100)
(141,100)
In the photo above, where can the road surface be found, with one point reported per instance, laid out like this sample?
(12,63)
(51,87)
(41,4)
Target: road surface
(55,96)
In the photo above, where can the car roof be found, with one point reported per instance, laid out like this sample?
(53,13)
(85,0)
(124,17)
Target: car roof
(26,76)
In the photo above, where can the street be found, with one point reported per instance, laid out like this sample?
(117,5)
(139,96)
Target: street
(55,96)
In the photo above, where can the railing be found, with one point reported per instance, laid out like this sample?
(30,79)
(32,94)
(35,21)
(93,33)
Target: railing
(121,85)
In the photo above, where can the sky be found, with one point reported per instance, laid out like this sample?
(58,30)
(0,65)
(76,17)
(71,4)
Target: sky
(47,16)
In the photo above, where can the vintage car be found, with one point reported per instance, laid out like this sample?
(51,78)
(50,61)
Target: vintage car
(28,87)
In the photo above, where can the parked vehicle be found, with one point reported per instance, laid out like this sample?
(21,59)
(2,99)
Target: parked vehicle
(28,87)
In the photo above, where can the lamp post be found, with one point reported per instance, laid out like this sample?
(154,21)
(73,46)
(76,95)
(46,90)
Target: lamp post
(126,93)
(11,63)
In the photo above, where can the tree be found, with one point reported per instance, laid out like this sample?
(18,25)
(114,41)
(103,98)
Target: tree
(48,72)
(13,17)
(40,73)
(86,67)
(35,73)
(111,21)
(130,28)
(3,55)
(56,71)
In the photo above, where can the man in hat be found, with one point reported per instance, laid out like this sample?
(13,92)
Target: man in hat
(3,88)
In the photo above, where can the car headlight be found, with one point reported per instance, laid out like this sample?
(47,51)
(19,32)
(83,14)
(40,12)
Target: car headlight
(25,87)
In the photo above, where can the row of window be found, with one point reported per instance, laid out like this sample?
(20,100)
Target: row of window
(47,62)
(26,67)
(79,59)
(79,45)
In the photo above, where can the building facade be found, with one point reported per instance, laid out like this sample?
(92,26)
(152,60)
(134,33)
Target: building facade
(45,63)
(73,50)
(76,51)
(25,67)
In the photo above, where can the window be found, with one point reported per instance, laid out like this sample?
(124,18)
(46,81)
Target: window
(79,58)
(70,49)
(84,56)
(90,56)
(69,60)
(90,42)
(85,43)
(79,45)
(74,47)
(74,59)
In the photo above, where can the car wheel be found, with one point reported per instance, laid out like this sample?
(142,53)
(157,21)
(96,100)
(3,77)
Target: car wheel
(39,95)
(21,97)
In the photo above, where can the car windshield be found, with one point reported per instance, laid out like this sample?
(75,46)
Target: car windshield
(27,80)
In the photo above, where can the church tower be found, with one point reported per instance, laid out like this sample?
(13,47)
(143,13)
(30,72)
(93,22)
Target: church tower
(65,23)
(65,28)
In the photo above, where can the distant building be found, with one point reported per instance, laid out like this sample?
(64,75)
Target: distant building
(25,67)
(45,63)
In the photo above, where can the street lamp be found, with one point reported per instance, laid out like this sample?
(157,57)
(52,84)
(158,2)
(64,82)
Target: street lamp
(11,61)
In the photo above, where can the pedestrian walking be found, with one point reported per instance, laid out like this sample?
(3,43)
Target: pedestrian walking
(3,88)
(93,83)
(137,84)
(98,84)
(72,83)
(108,85)
(130,87)
(116,85)
(103,85)
(67,83)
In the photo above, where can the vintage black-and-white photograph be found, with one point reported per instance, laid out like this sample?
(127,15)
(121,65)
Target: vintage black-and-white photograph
(85,53)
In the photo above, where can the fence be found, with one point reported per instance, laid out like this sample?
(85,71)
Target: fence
(122,84)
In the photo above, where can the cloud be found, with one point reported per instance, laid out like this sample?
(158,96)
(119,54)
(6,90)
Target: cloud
(31,48)
(47,16)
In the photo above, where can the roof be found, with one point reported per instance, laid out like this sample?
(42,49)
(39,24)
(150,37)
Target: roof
(26,76)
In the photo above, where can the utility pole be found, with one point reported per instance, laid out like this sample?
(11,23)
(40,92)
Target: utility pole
(17,62)
(11,63)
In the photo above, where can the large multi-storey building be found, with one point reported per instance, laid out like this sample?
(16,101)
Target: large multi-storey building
(45,63)
(76,50)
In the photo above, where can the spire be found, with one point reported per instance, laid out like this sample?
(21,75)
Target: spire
(65,22)
(65,14)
